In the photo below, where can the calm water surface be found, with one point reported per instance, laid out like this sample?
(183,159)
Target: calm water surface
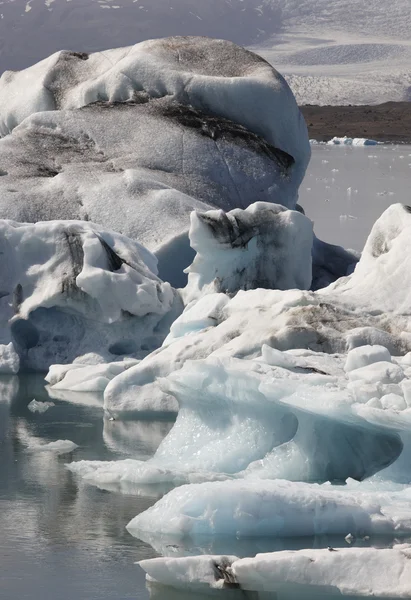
(59,538)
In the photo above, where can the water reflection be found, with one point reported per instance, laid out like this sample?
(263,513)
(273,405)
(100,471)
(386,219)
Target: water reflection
(163,592)
(61,538)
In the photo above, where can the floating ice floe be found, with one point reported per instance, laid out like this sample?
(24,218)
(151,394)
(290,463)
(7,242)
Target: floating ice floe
(272,508)
(57,447)
(40,407)
(79,377)
(347,141)
(382,573)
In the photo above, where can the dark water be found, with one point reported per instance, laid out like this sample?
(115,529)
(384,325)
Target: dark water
(63,539)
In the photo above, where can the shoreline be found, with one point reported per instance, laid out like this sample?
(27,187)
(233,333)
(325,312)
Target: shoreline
(389,122)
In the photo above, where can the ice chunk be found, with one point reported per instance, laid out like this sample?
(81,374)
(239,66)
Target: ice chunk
(341,317)
(347,141)
(248,419)
(242,87)
(71,289)
(79,377)
(264,246)
(366,355)
(383,572)
(157,136)
(378,372)
(272,508)
(40,407)
(58,447)
(9,359)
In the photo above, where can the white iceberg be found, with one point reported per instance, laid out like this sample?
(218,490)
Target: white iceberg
(263,246)
(292,415)
(273,508)
(79,377)
(382,573)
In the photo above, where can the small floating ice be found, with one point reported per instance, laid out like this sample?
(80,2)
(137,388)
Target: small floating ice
(40,407)
(58,447)
(347,141)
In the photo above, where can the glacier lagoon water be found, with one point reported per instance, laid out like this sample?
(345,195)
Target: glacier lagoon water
(61,538)
(346,189)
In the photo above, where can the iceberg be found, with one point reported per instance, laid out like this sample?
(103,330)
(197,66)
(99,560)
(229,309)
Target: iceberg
(272,508)
(136,138)
(368,307)
(39,407)
(285,361)
(72,289)
(382,573)
(57,447)
(263,246)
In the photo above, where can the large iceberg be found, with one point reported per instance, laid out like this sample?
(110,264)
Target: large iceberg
(136,138)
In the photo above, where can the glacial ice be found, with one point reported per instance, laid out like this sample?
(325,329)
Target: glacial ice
(347,141)
(263,246)
(136,138)
(233,83)
(79,377)
(343,316)
(382,573)
(40,407)
(72,289)
(272,508)
(305,420)
(285,360)
(58,447)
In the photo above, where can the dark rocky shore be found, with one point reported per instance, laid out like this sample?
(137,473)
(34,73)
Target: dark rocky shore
(389,122)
